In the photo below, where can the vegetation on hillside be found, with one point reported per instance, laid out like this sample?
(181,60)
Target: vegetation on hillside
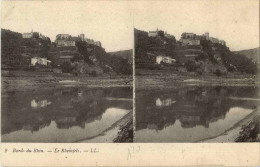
(14,49)
(11,43)
(237,62)
(17,51)
(97,56)
(125,54)
(253,54)
(214,56)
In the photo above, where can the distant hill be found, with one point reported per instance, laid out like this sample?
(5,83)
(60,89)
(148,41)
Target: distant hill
(125,54)
(253,54)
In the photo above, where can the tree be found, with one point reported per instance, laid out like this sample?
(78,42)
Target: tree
(190,66)
(66,67)
(218,72)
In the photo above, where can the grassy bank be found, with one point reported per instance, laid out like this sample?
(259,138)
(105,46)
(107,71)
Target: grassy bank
(23,80)
(164,78)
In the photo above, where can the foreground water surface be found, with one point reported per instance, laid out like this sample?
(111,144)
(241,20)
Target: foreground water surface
(192,113)
(68,114)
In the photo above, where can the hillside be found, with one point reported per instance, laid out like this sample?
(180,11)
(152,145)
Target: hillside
(16,51)
(253,54)
(96,56)
(126,54)
(207,57)
(82,58)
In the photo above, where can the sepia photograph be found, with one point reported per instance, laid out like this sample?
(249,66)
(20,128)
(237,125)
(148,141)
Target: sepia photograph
(196,68)
(66,72)
(130,83)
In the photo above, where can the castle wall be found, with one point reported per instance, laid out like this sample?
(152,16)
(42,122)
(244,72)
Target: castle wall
(190,41)
(61,43)
(153,33)
(27,35)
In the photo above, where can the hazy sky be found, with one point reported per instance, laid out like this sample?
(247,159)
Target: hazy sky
(108,22)
(237,22)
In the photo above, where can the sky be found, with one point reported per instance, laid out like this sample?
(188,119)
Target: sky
(236,22)
(111,23)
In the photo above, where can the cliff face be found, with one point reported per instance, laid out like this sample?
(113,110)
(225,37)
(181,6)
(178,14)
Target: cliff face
(96,56)
(207,57)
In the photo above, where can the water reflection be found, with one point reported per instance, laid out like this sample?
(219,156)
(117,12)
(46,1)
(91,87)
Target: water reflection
(192,113)
(61,115)
(41,103)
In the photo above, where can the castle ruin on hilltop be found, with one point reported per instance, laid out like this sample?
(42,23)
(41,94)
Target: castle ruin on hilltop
(187,38)
(68,40)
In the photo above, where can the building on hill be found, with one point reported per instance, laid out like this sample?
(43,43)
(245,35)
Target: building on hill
(156,33)
(90,41)
(27,35)
(97,43)
(222,42)
(187,35)
(61,43)
(191,39)
(164,59)
(64,40)
(82,37)
(214,40)
(206,35)
(63,37)
(188,41)
(30,35)
(41,61)
(200,37)
(75,39)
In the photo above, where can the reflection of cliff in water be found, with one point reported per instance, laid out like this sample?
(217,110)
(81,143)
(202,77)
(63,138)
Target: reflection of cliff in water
(68,107)
(192,106)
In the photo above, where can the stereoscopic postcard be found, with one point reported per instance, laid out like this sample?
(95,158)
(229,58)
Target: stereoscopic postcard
(130,83)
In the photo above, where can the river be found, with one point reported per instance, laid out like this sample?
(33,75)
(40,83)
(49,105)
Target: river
(191,113)
(63,115)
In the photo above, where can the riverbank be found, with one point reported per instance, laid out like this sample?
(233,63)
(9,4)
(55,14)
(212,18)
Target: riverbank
(24,80)
(246,130)
(168,79)
(125,134)
(119,132)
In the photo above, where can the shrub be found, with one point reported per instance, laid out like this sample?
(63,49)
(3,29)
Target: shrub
(218,72)
(66,67)
(93,73)
(190,66)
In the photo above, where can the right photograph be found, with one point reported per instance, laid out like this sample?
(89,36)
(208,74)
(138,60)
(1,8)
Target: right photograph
(197,71)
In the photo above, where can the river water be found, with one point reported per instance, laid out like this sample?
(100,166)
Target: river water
(192,113)
(62,115)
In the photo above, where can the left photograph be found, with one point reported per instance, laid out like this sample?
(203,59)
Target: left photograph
(66,72)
